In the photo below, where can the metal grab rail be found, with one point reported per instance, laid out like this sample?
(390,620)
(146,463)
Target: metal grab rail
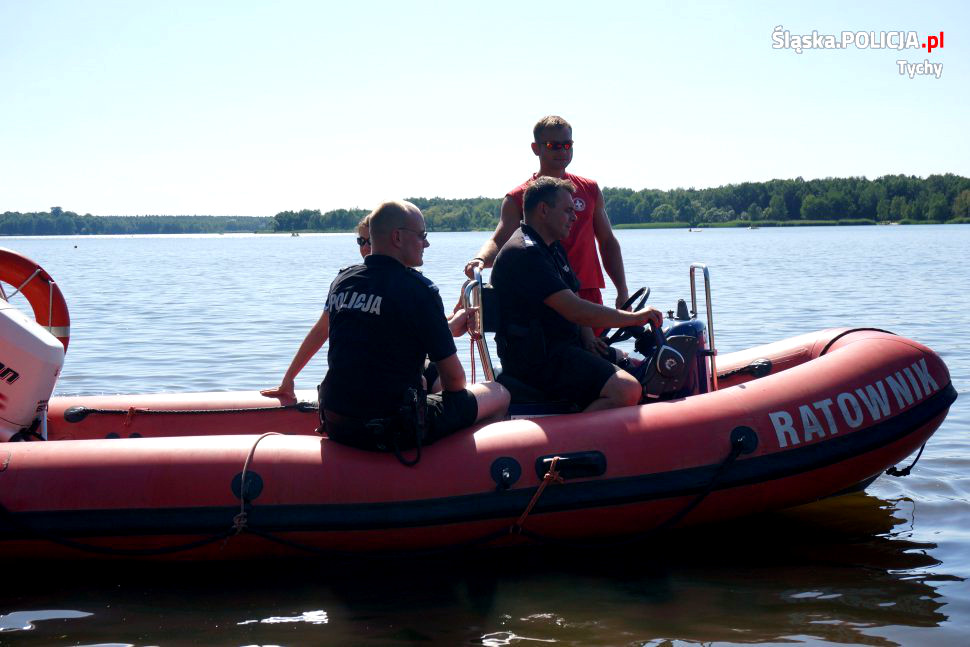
(471,297)
(710,317)
(20,287)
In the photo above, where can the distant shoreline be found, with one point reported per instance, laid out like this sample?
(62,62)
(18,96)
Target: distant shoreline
(757,224)
(891,199)
(736,224)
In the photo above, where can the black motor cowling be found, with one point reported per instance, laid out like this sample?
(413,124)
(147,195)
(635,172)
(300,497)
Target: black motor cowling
(675,363)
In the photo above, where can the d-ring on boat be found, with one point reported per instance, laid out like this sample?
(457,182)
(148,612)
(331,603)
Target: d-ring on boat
(237,475)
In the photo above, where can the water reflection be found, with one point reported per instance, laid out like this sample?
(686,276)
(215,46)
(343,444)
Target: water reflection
(24,620)
(842,571)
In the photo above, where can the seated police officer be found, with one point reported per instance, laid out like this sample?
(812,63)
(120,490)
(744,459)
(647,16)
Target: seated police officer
(539,339)
(384,319)
(318,334)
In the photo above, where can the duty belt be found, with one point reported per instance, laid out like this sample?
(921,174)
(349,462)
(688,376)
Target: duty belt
(382,434)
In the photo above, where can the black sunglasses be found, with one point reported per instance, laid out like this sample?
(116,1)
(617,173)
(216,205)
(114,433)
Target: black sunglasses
(363,241)
(423,235)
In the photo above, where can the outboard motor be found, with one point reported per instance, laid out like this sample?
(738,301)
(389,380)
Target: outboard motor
(675,364)
(30,361)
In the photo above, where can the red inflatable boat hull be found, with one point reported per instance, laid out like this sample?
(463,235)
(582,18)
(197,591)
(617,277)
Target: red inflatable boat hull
(858,403)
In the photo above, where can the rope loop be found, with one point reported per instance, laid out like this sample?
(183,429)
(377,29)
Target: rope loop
(892,471)
(551,476)
(239,522)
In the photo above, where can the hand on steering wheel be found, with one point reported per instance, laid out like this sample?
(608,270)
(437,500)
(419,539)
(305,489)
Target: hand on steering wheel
(658,334)
(629,331)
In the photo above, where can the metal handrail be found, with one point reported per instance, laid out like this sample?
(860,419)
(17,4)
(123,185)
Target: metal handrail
(50,297)
(710,317)
(20,287)
(471,297)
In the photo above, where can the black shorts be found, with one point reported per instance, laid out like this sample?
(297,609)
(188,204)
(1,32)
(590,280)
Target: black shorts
(449,412)
(445,414)
(430,374)
(569,373)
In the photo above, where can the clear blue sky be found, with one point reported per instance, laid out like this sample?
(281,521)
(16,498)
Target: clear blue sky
(251,108)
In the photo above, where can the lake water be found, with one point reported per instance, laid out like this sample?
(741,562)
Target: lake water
(200,313)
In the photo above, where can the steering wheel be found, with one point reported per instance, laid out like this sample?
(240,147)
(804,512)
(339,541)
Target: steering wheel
(630,331)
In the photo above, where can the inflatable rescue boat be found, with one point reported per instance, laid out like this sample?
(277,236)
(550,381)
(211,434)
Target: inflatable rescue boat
(237,475)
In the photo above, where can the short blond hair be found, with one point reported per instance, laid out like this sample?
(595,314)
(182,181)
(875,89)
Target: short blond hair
(549,121)
(363,227)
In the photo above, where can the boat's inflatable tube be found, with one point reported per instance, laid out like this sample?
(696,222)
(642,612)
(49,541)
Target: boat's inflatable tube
(180,414)
(248,412)
(817,429)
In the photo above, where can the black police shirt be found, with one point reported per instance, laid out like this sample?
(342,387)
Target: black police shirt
(526,271)
(384,320)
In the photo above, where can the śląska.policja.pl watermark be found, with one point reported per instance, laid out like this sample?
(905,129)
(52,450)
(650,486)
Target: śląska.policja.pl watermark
(781,38)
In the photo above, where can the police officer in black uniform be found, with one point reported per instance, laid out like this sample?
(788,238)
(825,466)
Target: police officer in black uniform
(384,318)
(539,339)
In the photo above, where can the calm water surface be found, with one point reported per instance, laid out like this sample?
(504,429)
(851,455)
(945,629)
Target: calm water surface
(888,567)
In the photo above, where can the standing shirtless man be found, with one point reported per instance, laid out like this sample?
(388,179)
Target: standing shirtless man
(553,146)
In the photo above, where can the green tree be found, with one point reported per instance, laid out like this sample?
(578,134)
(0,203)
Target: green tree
(839,205)
(621,208)
(816,208)
(937,208)
(777,209)
(898,208)
(644,212)
(961,205)
(686,211)
(882,210)
(664,213)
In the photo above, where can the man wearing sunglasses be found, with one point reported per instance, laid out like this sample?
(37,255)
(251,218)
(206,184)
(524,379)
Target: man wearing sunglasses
(317,337)
(553,145)
(363,236)
(539,336)
(384,318)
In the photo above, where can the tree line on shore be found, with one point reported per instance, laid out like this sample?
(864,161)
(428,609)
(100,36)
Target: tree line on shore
(892,198)
(854,200)
(67,223)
